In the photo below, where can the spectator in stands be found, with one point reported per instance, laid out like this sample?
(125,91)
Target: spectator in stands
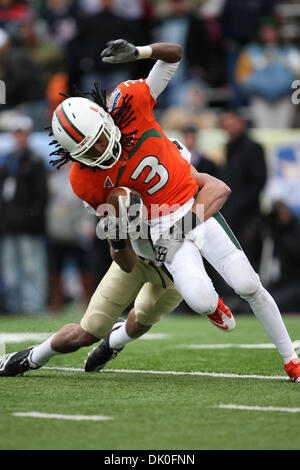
(62,17)
(205,50)
(83,51)
(70,230)
(41,46)
(285,231)
(265,72)
(204,165)
(198,160)
(239,20)
(245,173)
(183,25)
(2,290)
(139,14)
(191,108)
(23,199)
(25,85)
(13,11)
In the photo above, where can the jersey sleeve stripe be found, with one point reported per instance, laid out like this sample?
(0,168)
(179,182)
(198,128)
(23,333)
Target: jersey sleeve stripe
(146,135)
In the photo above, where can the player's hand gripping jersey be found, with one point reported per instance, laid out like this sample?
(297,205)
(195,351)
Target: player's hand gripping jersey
(154,166)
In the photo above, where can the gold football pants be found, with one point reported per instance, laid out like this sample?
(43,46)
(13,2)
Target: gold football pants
(147,286)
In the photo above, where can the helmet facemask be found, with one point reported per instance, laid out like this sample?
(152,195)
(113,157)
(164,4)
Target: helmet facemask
(112,152)
(78,124)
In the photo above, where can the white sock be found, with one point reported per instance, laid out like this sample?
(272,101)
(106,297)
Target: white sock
(119,337)
(42,353)
(267,312)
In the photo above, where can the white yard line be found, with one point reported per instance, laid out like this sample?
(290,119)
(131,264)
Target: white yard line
(227,346)
(155,336)
(36,337)
(258,408)
(39,337)
(23,337)
(173,372)
(233,345)
(36,414)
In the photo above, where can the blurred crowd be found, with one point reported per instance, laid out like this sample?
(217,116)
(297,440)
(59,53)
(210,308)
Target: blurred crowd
(240,60)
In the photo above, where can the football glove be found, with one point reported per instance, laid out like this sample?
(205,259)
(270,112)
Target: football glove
(164,250)
(130,223)
(114,228)
(119,51)
(168,244)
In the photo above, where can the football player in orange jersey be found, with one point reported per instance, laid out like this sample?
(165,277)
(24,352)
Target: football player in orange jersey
(121,144)
(129,278)
(125,146)
(146,161)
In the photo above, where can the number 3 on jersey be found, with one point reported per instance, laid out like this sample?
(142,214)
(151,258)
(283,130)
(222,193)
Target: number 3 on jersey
(156,168)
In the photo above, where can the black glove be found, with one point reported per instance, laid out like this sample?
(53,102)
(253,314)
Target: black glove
(119,51)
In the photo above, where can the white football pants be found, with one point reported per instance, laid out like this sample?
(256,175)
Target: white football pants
(214,241)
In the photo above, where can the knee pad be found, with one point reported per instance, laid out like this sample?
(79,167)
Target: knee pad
(100,315)
(247,286)
(151,303)
(203,302)
(240,275)
(97,324)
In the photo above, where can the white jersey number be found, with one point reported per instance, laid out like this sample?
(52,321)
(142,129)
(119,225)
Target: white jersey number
(156,168)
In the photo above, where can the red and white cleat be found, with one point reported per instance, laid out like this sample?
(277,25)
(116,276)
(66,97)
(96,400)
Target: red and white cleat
(222,317)
(293,370)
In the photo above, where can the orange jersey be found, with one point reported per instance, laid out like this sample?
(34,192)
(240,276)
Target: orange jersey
(154,165)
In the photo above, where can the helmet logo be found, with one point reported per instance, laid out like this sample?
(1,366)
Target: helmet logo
(94,109)
(108,183)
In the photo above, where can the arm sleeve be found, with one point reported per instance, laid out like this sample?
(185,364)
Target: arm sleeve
(159,77)
(185,153)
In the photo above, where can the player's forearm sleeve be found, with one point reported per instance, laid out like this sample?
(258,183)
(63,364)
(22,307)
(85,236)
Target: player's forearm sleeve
(159,77)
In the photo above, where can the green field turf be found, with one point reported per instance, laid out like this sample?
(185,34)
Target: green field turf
(156,411)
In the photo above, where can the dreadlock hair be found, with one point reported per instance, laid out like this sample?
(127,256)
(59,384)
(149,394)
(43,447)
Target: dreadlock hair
(122,117)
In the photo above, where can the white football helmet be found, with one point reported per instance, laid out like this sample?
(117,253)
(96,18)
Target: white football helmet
(77,123)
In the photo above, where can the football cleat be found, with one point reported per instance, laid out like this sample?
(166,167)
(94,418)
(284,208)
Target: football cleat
(293,370)
(102,354)
(222,317)
(16,363)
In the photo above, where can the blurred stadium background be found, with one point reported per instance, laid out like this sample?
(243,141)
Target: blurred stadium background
(233,101)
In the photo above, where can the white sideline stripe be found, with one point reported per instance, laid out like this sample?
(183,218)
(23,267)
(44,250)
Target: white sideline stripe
(174,372)
(227,346)
(38,337)
(155,336)
(296,344)
(22,337)
(36,414)
(41,336)
(259,408)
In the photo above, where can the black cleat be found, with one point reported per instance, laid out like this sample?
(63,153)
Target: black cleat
(15,363)
(102,354)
